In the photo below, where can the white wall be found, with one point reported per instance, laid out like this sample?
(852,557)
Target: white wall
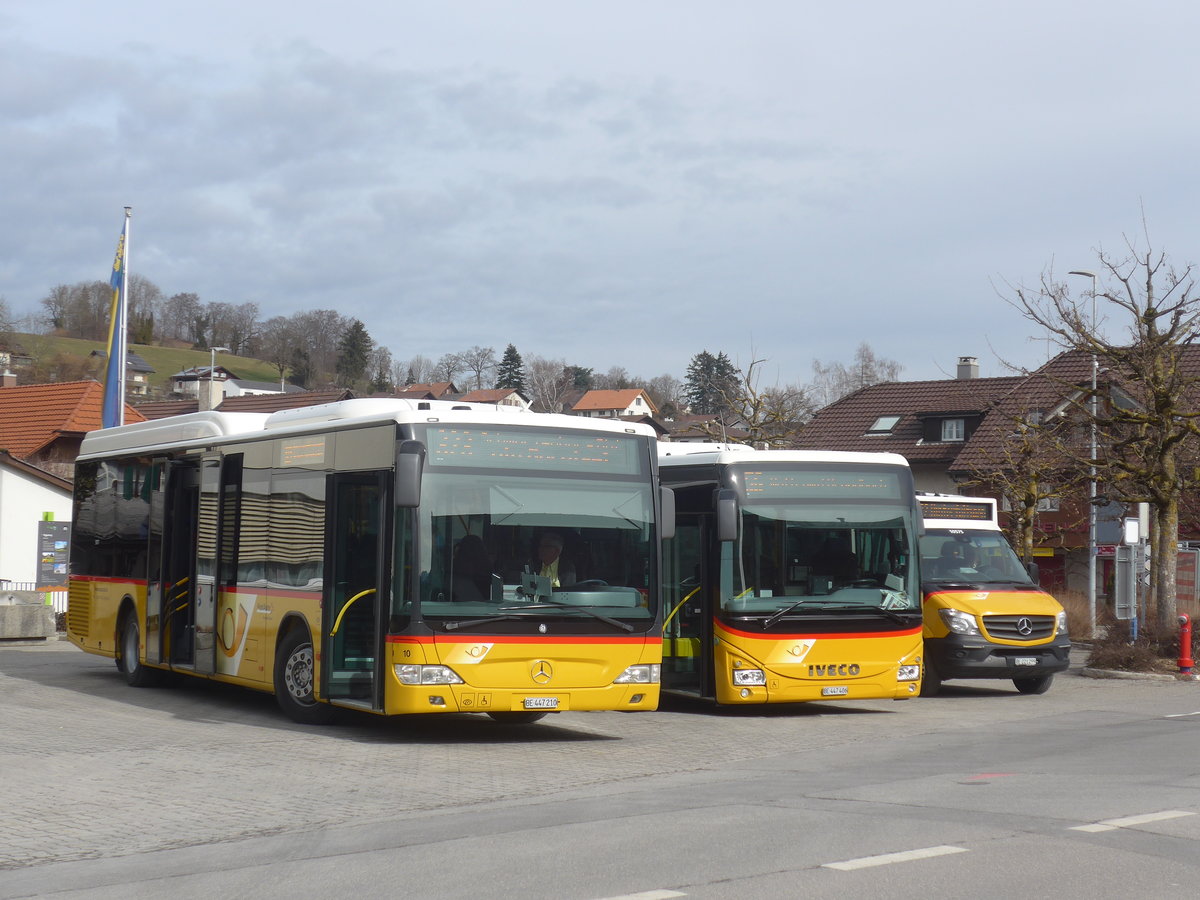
(22,502)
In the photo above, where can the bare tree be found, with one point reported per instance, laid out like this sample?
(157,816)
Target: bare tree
(1147,417)
(769,415)
(448,366)
(832,381)
(550,382)
(667,393)
(480,362)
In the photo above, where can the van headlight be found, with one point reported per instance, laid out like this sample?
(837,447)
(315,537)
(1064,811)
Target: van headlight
(644,674)
(958,621)
(1060,623)
(414,674)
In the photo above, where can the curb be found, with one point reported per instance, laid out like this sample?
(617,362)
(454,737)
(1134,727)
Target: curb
(1133,676)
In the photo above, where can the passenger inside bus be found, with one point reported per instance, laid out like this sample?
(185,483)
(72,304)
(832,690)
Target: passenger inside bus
(955,556)
(551,563)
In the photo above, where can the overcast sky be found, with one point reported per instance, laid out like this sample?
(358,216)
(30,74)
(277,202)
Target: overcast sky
(617,183)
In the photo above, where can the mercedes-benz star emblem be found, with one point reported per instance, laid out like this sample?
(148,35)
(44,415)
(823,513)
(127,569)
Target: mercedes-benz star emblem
(1024,626)
(542,671)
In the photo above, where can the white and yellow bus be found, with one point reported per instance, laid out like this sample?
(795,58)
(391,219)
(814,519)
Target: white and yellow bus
(792,575)
(985,616)
(378,555)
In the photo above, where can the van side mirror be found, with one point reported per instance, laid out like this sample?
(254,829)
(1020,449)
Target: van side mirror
(726,504)
(1032,568)
(410,460)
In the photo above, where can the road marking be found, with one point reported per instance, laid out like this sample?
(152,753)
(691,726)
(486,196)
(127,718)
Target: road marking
(886,859)
(1181,715)
(1114,824)
(648,895)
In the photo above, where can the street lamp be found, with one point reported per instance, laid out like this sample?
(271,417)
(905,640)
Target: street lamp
(1092,468)
(212,365)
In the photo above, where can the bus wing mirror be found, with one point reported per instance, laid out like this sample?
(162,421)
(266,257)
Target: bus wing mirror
(727,514)
(410,459)
(666,526)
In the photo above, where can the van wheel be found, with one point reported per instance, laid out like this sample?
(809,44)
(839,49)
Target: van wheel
(128,662)
(295,676)
(931,681)
(1033,685)
(516,718)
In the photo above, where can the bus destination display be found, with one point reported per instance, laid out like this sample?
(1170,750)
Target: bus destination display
(816,484)
(966,512)
(494,448)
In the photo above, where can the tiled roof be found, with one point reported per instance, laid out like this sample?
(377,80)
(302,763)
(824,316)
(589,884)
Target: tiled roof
(162,409)
(34,415)
(603,399)
(437,388)
(844,424)
(269,403)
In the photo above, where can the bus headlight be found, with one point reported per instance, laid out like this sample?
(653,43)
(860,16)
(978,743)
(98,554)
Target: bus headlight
(749,676)
(649,674)
(413,674)
(908,673)
(959,622)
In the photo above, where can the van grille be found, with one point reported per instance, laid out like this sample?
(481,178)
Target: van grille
(1019,628)
(79,609)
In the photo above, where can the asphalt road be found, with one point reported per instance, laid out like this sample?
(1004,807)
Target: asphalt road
(201,790)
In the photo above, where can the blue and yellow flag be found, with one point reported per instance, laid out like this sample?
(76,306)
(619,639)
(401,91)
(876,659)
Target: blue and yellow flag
(114,379)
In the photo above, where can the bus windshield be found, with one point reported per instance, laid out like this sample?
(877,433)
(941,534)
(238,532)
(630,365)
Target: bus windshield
(508,544)
(818,556)
(958,555)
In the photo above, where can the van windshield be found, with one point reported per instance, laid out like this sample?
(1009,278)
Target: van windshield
(954,555)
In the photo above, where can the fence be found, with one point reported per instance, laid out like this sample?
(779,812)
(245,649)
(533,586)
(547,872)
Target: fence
(57,596)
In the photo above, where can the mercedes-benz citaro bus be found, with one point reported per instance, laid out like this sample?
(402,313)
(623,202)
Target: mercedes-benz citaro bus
(985,616)
(792,575)
(377,554)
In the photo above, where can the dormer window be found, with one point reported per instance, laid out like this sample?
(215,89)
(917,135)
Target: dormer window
(883,425)
(954,429)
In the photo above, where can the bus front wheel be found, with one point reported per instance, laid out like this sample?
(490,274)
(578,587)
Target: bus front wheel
(295,675)
(931,681)
(127,656)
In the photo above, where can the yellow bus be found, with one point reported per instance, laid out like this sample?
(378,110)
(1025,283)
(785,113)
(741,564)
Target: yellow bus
(380,555)
(792,575)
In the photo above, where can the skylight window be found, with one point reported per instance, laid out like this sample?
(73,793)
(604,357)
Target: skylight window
(883,425)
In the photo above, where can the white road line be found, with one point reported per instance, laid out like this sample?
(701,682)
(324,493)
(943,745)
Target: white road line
(1181,715)
(648,895)
(1128,821)
(886,859)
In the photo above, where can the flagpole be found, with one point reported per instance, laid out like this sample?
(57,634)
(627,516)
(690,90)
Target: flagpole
(123,343)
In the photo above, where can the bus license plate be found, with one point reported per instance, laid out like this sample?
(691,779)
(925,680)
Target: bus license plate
(541,703)
(840,690)
(1024,660)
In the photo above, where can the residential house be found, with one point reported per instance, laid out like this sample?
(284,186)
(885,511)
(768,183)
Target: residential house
(497,397)
(29,496)
(614,404)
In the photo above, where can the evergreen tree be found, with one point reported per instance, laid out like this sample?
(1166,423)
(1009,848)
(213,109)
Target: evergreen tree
(511,372)
(712,383)
(354,353)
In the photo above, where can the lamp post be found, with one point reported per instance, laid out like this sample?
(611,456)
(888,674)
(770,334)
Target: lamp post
(211,366)
(1092,469)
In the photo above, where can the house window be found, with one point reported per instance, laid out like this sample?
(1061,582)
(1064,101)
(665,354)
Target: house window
(953,429)
(883,425)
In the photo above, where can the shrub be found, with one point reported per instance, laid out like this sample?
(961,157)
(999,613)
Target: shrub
(1155,650)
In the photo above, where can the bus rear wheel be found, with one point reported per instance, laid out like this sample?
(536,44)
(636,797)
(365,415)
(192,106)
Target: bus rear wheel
(295,676)
(128,662)
(1033,685)
(517,718)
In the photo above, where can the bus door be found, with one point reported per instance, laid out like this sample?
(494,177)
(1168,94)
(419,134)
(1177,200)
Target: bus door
(687,630)
(177,574)
(356,576)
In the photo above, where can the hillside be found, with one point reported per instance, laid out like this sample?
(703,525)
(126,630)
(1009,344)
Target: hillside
(165,360)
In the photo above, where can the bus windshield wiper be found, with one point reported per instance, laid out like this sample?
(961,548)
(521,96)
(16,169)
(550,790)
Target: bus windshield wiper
(780,613)
(895,615)
(550,604)
(454,625)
